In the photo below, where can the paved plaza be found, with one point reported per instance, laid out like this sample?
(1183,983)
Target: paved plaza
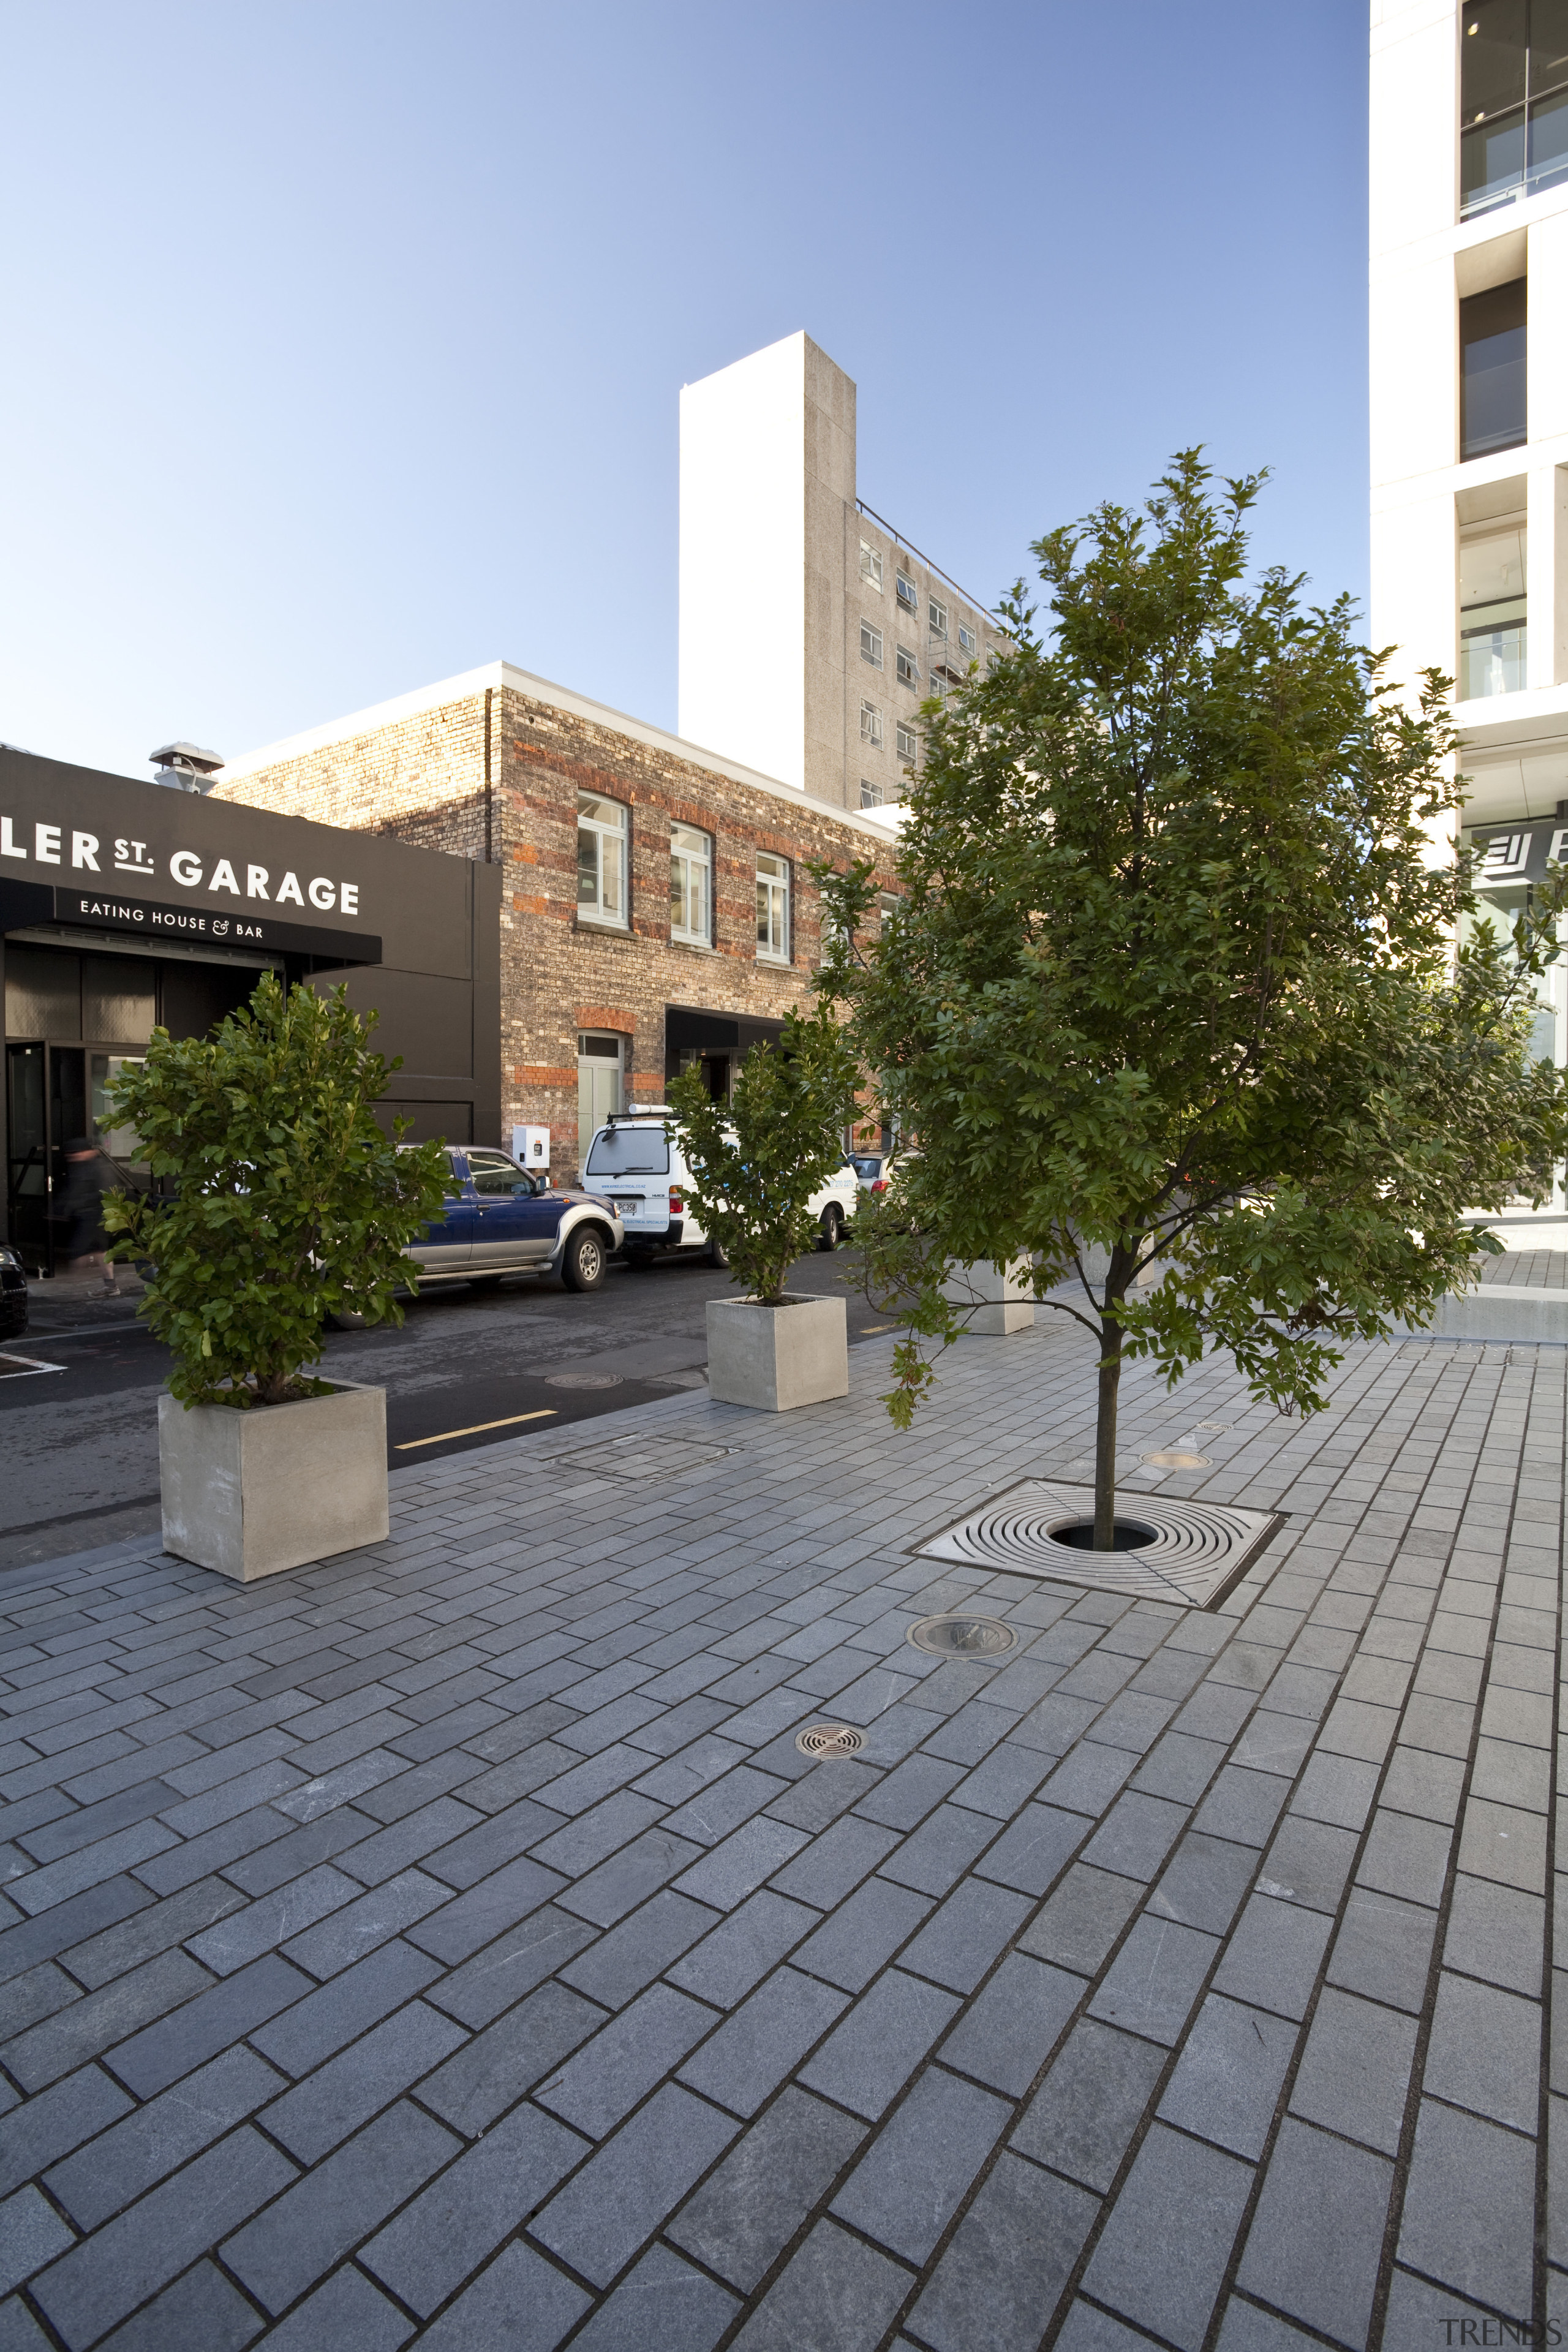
(451,1942)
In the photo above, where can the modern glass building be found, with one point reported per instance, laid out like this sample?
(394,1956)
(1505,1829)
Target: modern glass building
(1469,424)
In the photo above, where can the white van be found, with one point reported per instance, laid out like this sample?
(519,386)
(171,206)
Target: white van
(632,1165)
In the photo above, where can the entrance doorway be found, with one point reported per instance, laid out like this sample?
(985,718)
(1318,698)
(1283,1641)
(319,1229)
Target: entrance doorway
(48,1108)
(601,1085)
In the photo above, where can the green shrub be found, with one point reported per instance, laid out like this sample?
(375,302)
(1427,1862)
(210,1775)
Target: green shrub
(289,1203)
(754,1163)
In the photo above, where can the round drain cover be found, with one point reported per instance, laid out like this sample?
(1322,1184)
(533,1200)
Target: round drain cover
(962,1637)
(583,1379)
(1176,1461)
(829,1739)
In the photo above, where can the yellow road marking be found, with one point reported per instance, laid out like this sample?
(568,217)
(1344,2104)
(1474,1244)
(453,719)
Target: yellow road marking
(866,1329)
(410,1444)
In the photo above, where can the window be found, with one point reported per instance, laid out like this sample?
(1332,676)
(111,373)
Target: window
(1491,609)
(908,596)
(870,565)
(870,644)
(773,907)
(599,1086)
(691,885)
(888,905)
(966,638)
(601,859)
(631,1152)
(992,661)
(496,1176)
(1513,101)
(909,745)
(870,795)
(871,725)
(908,667)
(1492,370)
(938,619)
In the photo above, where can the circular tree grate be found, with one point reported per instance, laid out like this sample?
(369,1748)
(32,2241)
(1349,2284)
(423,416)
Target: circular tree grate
(1198,1551)
(824,1739)
(583,1379)
(962,1637)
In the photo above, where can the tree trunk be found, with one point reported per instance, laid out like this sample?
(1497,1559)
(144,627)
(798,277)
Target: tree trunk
(1121,1262)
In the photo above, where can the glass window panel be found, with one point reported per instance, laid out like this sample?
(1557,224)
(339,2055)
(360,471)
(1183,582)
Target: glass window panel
(43,993)
(1493,367)
(690,871)
(870,644)
(1491,164)
(938,620)
(1548,141)
(587,867)
(117,999)
(1493,641)
(1492,57)
(1548,45)
(598,812)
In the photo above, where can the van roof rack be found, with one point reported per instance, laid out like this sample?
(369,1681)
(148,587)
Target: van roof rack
(643,1110)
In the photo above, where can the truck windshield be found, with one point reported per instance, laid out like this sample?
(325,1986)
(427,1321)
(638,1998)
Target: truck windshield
(629,1151)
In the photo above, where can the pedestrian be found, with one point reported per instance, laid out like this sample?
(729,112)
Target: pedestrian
(88,1177)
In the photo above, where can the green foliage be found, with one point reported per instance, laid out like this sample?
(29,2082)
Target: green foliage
(1174,979)
(755,1163)
(289,1203)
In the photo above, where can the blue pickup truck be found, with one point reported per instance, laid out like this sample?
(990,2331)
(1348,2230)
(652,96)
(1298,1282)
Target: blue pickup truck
(498,1219)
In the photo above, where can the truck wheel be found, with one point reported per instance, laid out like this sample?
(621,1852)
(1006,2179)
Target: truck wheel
(832,1227)
(583,1267)
(717,1254)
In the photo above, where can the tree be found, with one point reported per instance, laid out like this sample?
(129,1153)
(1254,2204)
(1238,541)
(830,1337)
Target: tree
(289,1203)
(1174,979)
(754,1164)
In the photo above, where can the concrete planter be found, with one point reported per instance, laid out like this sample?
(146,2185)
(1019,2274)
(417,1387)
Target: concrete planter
(251,1494)
(775,1358)
(996,1303)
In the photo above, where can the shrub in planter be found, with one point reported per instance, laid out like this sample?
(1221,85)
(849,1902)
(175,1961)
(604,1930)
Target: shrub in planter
(753,1166)
(288,1203)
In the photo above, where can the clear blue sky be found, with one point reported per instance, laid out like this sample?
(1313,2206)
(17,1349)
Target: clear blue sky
(343,342)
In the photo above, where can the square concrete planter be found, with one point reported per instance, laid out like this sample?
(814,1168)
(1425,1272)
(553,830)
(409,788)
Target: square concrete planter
(775,1358)
(251,1494)
(996,1303)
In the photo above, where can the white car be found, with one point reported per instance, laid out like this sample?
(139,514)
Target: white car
(633,1166)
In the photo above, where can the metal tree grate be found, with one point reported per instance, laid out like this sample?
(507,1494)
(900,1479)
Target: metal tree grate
(583,1379)
(1198,1553)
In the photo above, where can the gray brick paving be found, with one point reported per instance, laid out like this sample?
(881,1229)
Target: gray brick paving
(447,1943)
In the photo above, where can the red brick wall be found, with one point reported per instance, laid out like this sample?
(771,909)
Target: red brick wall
(422,780)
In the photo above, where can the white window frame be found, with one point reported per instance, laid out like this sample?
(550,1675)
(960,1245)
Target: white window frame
(870,565)
(909,668)
(871,725)
(909,594)
(610,845)
(691,856)
(870,793)
(871,644)
(937,617)
(908,744)
(773,907)
(966,638)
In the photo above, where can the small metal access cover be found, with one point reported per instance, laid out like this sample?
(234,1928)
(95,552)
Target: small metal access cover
(1199,1550)
(1176,1460)
(825,1739)
(962,1637)
(583,1379)
(638,1458)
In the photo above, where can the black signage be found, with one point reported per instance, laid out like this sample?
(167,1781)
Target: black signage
(1520,852)
(199,925)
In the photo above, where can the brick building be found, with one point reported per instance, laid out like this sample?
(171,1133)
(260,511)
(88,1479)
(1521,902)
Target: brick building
(656,909)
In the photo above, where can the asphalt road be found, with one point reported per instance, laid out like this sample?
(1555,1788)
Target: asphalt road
(79,1444)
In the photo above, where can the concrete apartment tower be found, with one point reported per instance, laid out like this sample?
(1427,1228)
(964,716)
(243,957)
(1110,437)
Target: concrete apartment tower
(1469,422)
(810,631)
